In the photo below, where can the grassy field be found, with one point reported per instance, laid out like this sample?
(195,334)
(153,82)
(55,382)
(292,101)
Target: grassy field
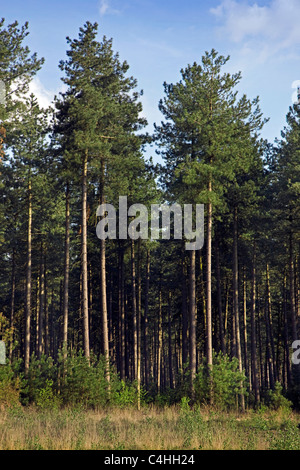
(152,428)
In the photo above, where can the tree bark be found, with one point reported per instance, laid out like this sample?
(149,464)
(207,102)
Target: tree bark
(185,319)
(255,385)
(122,351)
(134,312)
(170,340)
(208,283)
(139,308)
(41,302)
(220,308)
(84,263)
(192,315)
(146,310)
(270,336)
(28,281)
(12,302)
(245,323)
(292,288)
(103,285)
(236,300)
(287,366)
(104,308)
(66,271)
(159,339)
(46,306)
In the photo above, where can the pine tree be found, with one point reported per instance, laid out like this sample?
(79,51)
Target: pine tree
(26,139)
(202,137)
(103,119)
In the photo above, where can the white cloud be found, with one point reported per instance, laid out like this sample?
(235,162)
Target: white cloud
(44,97)
(105,8)
(274,26)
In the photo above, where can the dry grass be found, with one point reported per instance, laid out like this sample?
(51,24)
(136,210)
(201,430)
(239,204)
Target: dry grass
(149,429)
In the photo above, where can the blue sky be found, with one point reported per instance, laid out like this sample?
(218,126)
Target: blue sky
(158,38)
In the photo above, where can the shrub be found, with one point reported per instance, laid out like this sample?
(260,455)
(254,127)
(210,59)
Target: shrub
(125,394)
(83,383)
(40,371)
(9,387)
(275,399)
(223,385)
(46,398)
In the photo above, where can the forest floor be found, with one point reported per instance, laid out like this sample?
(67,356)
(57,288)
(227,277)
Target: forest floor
(150,428)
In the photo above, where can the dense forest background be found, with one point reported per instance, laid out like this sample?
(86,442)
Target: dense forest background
(145,319)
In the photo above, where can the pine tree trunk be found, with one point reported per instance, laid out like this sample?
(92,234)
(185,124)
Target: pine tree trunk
(208,284)
(245,323)
(122,351)
(46,307)
(287,367)
(146,310)
(103,286)
(159,340)
(41,303)
(170,341)
(111,329)
(270,336)
(12,302)
(192,315)
(139,307)
(66,271)
(255,385)
(294,368)
(292,289)
(236,300)
(37,315)
(104,308)
(84,263)
(184,308)
(220,308)
(134,312)
(226,313)
(28,281)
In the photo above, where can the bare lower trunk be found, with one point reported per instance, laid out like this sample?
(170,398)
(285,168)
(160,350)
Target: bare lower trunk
(255,385)
(170,341)
(66,271)
(139,306)
(12,302)
(122,351)
(104,309)
(146,355)
(41,303)
(236,302)
(84,263)
(159,339)
(192,314)
(134,312)
(185,320)
(28,282)
(220,308)
(292,290)
(103,284)
(208,284)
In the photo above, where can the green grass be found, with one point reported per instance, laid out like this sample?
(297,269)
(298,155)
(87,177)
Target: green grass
(151,428)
